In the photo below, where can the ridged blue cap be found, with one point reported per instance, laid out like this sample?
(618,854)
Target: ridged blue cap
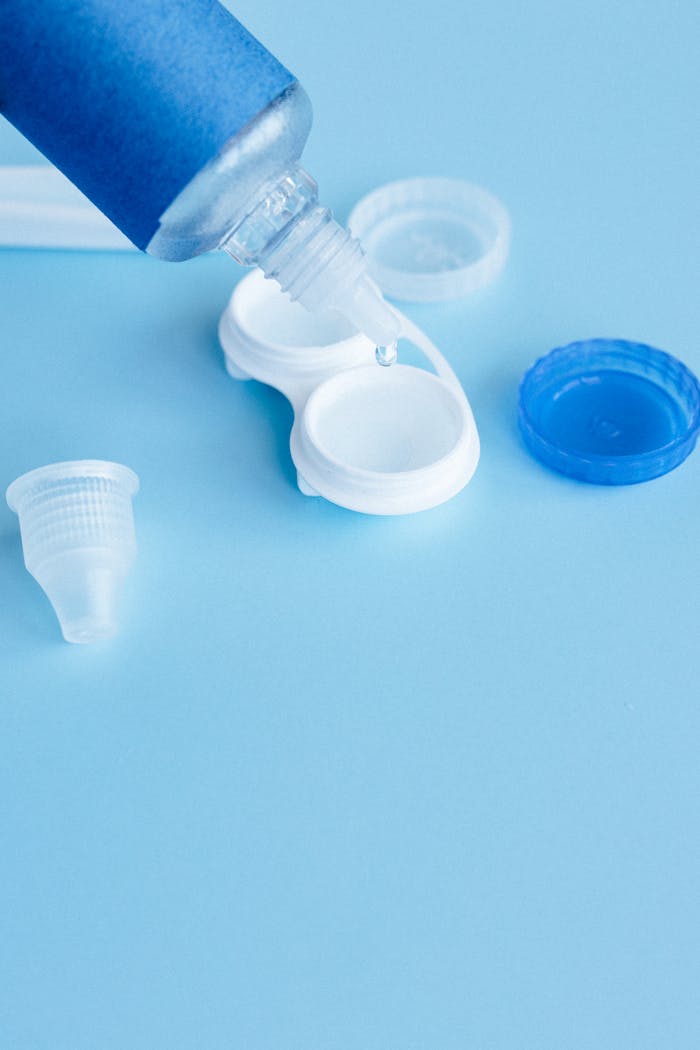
(609,412)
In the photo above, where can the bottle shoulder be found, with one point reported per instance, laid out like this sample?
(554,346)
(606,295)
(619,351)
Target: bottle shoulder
(203,214)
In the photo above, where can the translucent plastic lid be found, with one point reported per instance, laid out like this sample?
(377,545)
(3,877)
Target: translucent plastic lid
(609,411)
(432,239)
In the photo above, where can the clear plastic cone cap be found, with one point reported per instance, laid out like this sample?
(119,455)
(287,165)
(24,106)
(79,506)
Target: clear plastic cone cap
(78,539)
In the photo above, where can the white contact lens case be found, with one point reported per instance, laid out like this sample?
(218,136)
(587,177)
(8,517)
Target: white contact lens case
(377,440)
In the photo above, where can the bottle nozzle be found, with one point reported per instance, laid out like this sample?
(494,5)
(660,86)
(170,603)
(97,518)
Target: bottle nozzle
(366,308)
(314,259)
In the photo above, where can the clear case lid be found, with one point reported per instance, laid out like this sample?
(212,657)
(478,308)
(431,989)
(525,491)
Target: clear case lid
(431,239)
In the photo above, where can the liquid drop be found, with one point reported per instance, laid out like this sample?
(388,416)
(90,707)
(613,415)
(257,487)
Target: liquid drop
(386,355)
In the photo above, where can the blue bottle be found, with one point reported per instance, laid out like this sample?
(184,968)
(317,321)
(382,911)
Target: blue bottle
(187,133)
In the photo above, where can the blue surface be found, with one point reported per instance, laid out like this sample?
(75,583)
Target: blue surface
(131,98)
(609,411)
(361,784)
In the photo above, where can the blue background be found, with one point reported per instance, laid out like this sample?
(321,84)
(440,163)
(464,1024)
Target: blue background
(347,783)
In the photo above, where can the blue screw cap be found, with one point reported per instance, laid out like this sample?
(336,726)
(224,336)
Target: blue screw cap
(609,412)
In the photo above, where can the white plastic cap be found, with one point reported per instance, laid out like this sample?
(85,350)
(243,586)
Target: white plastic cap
(283,343)
(78,539)
(431,239)
(386,440)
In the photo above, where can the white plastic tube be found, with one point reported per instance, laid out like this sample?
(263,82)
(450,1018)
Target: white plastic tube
(41,208)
